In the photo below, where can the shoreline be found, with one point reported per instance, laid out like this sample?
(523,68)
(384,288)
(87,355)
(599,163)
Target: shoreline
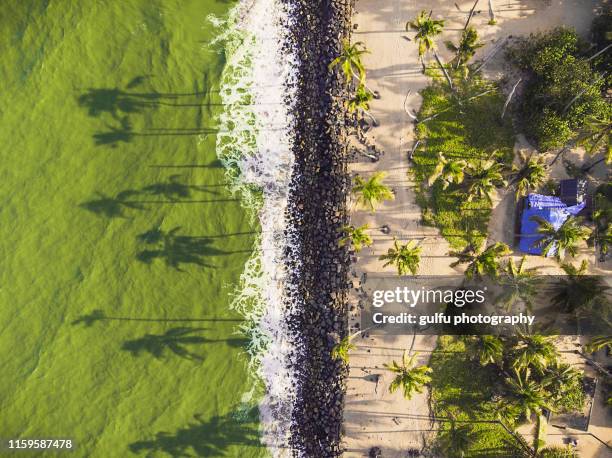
(317,266)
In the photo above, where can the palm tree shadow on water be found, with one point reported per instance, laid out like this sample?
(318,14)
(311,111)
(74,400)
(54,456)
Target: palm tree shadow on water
(176,340)
(175,249)
(125,133)
(204,437)
(98,315)
(112,206)
(172,189)
(119,104)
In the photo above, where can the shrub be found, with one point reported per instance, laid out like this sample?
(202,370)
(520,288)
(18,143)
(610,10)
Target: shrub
(563,87)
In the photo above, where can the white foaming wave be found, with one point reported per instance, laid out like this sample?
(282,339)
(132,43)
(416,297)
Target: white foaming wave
(254,144)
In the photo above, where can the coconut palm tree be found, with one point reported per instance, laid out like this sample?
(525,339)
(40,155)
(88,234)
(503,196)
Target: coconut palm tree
(342,348)
(372,191)
(529,176)
(455,442)
(519,448)
(356,237)
(360,102)
(487,349)
(481,262)
(601,237)
(535,351)
(448,171)
(519,285)
(427,29)
(597,343)
(561,379)
(578,292)
(562,240)
(484,176)
(408,377)
(466,48)
(596,135)
(405,257)
(350,61)
(527,395)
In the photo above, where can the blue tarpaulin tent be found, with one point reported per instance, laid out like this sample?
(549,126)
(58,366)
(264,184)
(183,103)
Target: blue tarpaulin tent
(549,208)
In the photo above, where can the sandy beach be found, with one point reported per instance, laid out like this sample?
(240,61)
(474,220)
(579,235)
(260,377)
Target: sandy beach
(373,417)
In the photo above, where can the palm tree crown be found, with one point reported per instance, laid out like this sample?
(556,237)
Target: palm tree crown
(599,342)
(561,240)
(372,191)
(447,171)
(426,28)
(487,349)
(342,348)
(519,285)
(350,61)
(480,263)
(529,175)
(360,101)
(534,351)
(467,46)
(411,379)
(485,175)
(405,257)
(455,442)
(578,292)
(528,395)
(356,236)
(596,135)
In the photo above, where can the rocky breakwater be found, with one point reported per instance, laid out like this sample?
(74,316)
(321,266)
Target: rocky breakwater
(316,214)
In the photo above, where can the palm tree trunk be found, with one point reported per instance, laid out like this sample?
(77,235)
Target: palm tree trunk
(414,147)
(598,53)
(446,75)
(561,152)
(491,12)
(588,168)
(604,132)
(491,54)
(467,23)
(413,117)
(375,94)
(375,123)
(510,97)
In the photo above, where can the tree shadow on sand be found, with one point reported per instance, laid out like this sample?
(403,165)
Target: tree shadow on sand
(175,249)
(177,341)
(203,438)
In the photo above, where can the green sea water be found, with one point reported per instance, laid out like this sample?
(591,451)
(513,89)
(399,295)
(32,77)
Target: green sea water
(119,242)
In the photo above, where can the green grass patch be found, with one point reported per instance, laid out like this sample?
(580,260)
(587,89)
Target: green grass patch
(464,390)
(469,130)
